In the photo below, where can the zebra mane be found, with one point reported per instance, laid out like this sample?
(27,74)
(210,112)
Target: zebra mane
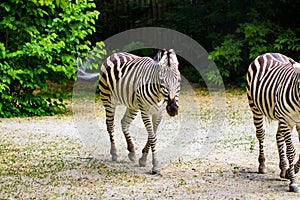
(159,55)
(296,65)
(286,61)
(168,56)
(277,56)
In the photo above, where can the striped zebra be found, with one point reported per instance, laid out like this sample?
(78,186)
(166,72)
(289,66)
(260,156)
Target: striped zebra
(141,84)
(273,91)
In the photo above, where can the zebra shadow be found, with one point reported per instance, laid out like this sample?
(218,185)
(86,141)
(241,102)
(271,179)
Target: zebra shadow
(123,165)
(269,181)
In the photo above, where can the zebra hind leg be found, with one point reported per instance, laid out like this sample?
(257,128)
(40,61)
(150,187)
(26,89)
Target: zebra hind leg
(125,122)
(290,152)
(110,112)
(297,165)
(260,135)
(281,151)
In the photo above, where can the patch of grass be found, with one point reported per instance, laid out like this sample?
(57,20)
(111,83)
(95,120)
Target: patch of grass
(33,161)
(182,181)
(252,145)
(36,168)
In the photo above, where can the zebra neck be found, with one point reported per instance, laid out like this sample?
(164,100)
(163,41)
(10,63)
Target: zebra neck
(149,76)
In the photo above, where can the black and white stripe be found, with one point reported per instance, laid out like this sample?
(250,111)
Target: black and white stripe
(273,91)
(139,83)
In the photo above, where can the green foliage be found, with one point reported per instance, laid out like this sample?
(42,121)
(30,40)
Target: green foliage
(255,37)
(96,56)
(228,57)
(37,47)
(249,40)
(287,40)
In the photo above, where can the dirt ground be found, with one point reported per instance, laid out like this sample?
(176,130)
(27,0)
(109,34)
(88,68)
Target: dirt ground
(208,151)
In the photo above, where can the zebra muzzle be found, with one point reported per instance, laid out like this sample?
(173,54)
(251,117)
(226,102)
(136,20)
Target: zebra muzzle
(172,107)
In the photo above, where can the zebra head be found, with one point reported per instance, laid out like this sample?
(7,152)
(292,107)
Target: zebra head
(169,79)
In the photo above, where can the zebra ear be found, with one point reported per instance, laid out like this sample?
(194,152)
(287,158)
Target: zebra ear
(173,58)
(159,55)
(296,65)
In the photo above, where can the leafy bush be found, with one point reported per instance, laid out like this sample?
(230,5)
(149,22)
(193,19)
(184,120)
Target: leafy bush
(37,47)
(250,40)
(227,56)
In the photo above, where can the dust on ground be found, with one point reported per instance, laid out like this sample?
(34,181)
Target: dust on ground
(201,158)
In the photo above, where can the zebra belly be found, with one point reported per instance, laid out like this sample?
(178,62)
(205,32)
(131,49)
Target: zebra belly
(295,119)
(130,101)
(291,118)
(127,99)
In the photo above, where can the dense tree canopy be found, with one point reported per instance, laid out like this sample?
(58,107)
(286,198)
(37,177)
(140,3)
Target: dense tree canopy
(233,32)
(39,38)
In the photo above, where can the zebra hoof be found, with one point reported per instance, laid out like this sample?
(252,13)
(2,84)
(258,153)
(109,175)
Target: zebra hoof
(284,174)
(114,158)
(293,188)
(262,170)
(155,172)
(132,157)
(142,162)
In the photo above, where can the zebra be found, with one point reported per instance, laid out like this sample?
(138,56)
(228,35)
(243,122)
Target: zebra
(141,84)
(273,91)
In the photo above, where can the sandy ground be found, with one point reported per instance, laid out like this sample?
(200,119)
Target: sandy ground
(206,152)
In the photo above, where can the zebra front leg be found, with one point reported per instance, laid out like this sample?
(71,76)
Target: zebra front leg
(297,166)
(125,122)
(152,143)
(145,151)
(155,121)
(143,159)
(291,153)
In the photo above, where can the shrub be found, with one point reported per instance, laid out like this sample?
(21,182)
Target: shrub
(37,46)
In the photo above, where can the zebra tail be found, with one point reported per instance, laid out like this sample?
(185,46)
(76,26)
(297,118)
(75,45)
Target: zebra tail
(87,76)
(81,70)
